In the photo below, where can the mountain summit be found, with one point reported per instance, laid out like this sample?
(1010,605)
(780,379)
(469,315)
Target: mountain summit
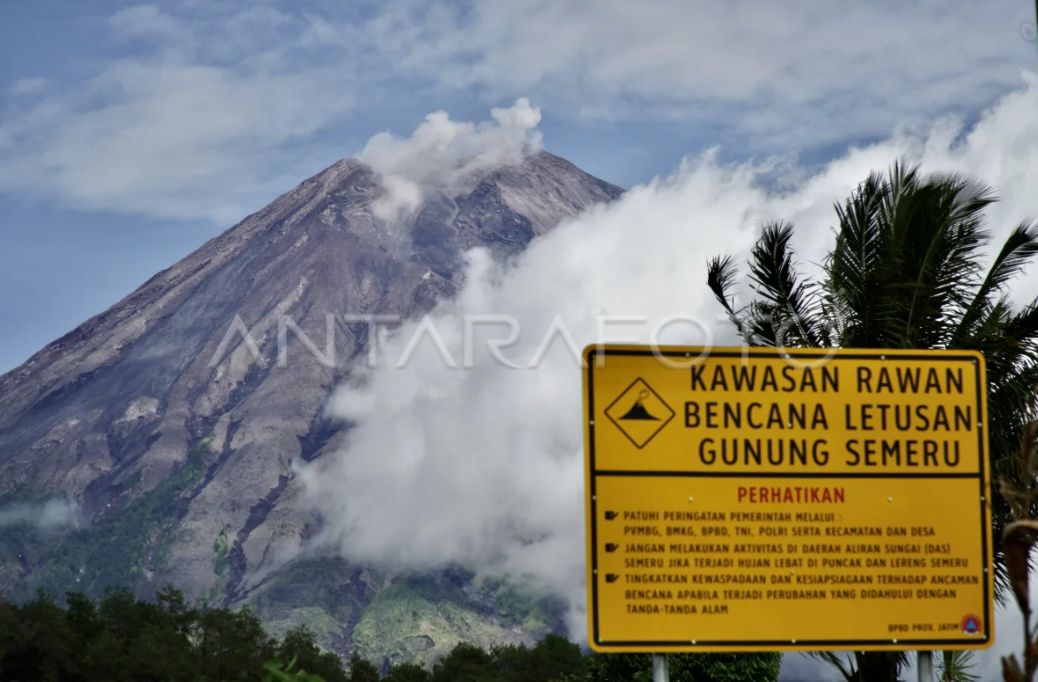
(171,422)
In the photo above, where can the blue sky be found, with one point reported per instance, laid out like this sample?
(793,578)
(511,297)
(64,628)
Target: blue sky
(131,133)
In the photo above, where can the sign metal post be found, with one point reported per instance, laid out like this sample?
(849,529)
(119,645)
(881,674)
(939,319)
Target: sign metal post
(660,668)
(924,665)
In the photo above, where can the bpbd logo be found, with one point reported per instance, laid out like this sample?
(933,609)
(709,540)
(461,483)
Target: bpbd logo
(970,625)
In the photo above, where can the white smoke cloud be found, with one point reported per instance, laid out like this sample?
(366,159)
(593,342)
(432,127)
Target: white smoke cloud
(444,154)
(51,514)
(483,466)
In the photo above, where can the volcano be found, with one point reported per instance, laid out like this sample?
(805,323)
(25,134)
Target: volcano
(638,411)
(173,419)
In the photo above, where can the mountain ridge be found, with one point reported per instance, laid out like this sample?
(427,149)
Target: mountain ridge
(180,459)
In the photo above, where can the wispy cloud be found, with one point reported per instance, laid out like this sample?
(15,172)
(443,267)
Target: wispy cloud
(798,72)
(205,108)
(200,123)
(27,86)
(49,515)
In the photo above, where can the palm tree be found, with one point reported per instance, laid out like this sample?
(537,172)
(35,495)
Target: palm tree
(906,272)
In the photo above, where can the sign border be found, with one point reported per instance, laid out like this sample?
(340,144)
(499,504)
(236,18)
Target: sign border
(591,357)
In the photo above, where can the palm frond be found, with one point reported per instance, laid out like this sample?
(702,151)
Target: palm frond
(720,277)
(787,301)
(1020,246)
(835,660)
(954,666)
(971,195)
(851,269)
(936,231)
(1024,325)
(901,179)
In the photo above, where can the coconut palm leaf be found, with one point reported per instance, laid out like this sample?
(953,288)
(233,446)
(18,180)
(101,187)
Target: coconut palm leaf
(786,315)
(844,666)
(934,236)
(852,284)
(720,277)
(954,666)
(1019,248)
(1024,325)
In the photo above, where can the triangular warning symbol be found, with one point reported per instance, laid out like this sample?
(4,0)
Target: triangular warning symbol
(640,413)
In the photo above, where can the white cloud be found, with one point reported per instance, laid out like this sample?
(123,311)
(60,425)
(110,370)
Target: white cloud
(206,108)
(445,154)
(181,140)
(147,21)
(27,86)
(484,466)
(49,515)
(203,124)
(802,72)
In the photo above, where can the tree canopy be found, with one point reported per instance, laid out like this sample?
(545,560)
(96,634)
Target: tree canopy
(123,639)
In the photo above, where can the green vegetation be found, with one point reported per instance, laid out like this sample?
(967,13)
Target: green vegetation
(536,614)
(121,639)
(114,549)
(414,624)
(220,550)
(686,668)
(315,592)
(419,618)
(906,272)
(313,582)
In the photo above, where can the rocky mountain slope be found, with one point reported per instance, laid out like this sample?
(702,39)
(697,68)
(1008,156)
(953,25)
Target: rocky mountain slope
(176,442)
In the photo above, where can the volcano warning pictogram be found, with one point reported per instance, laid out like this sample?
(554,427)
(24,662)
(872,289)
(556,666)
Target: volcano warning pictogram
(638,410)
(639,413)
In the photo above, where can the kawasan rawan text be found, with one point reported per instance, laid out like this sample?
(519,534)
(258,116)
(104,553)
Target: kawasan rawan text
(885,416)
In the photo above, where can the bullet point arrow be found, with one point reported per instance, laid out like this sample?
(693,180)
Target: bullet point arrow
(610,515)
(611,577)
(611,547)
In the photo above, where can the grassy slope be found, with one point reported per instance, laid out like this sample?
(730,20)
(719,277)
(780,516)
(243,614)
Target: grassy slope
(321,593)
(404,624)
(421,620)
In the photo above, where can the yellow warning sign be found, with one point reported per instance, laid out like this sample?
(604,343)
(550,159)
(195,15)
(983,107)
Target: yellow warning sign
(751,500)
